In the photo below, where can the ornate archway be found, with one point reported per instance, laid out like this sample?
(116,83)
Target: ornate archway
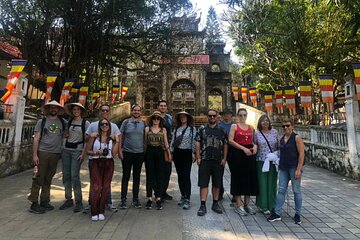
(150,100)
(183,96)
(215,99)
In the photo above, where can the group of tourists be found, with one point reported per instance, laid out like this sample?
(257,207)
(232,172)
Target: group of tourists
(255,158)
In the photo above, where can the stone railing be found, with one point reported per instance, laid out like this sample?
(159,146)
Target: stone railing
(327,147)
(6,133)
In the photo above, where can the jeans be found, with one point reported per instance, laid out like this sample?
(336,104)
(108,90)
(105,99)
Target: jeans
(134,161)
(71,174)
(47,169)
(284,177)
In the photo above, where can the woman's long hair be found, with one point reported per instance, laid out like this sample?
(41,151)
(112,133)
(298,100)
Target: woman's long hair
(108,134)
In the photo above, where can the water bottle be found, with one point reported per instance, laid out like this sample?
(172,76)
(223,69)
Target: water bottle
(35,172)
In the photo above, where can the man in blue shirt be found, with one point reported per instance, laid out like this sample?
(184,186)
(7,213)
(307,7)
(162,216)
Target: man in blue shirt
(226,123)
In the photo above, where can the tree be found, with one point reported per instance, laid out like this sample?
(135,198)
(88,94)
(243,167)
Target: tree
(212,28)
(89,36)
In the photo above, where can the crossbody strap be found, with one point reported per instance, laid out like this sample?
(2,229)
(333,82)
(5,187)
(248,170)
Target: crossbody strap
(266,140)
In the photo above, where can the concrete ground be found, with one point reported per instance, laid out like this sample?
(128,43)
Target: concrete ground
(331,210)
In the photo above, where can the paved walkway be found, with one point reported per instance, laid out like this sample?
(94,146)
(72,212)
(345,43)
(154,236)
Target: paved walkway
(331,210)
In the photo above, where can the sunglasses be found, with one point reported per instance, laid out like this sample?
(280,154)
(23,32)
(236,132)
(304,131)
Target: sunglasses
(211,116)
(105,110)
(242,115)
(156,118)
(286,126)
(104,124)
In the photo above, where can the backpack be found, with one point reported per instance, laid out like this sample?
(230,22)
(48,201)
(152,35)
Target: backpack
(43,122)
(83,123)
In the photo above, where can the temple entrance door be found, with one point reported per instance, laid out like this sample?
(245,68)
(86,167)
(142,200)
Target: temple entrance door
(215,99)
(151,100)
(183,97)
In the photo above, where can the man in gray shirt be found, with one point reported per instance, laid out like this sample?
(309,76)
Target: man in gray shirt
(131,152)
(46,154)
(93,131)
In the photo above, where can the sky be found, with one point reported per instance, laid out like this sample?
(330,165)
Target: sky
(203,6)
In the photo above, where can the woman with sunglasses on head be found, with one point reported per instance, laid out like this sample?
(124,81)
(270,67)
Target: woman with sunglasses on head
(102,148)
(182,147)
(266,138)
(156,147)
(244,180)
(290,169)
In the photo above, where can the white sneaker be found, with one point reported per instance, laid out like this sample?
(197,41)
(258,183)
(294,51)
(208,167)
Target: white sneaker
(101,217)
(95,218)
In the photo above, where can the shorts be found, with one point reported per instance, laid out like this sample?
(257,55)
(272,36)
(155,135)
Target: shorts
(207,169)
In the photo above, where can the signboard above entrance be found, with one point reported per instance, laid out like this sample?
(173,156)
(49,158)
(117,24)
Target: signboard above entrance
(188,60)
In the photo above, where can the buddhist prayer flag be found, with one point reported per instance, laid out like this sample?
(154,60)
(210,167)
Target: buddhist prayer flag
(115,92)
(94,98)
(65,93)
(83,93)
(235,90)
(268,103)
(244,90)
(356,67)
(305,95)
(17,66)
(253,96)
(124,90)
(290,99)
(102,94)
(279,101)
(50,82)
(327,91)
(75,89)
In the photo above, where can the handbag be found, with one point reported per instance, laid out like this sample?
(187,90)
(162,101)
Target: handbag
(178,140)
(166,155)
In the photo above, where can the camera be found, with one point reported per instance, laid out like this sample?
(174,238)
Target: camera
(105,152)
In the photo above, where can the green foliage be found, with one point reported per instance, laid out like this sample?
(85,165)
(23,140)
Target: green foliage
(69,36)
(283,41)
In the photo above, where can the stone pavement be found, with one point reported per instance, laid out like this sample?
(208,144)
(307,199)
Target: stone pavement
(331,210)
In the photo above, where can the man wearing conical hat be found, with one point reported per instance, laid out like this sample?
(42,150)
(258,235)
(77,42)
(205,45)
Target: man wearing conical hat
(46,154)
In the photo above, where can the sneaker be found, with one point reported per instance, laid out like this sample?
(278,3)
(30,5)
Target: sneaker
(47,206)
(36,208)
(78,207)
(158,205)
(86,209)
(67,204)
(186,204)
(216,208)
(95,218)
(266,212)
(202,211)
(249,210)
(111,207)
(136,203)
(167,197)
(274,217)
(297,219)
(149,204)
(240,210)
(181,202)
(123,203)
(101,217)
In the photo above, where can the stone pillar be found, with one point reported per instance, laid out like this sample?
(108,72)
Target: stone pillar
(18,110)
(352,121)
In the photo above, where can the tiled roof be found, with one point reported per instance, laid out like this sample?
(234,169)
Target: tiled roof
(10,49)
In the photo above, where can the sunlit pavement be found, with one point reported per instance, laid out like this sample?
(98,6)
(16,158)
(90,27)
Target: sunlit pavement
(331,210)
